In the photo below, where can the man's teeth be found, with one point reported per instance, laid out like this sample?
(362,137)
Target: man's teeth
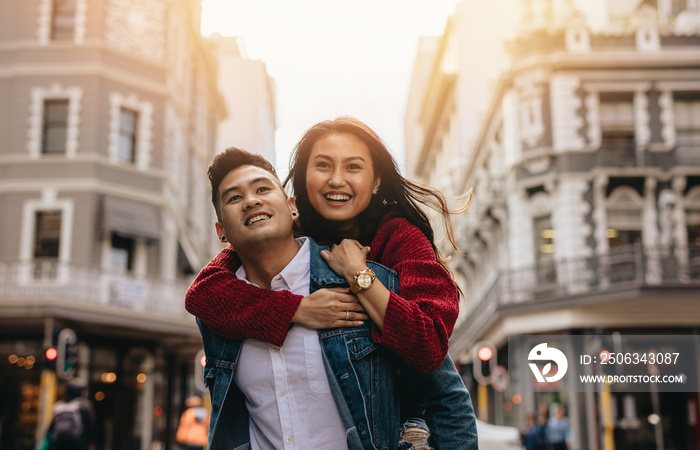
(257,219)
(337,197)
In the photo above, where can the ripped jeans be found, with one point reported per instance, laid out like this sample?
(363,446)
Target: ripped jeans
(414,435)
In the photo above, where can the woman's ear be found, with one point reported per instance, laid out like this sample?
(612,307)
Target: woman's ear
(377,183)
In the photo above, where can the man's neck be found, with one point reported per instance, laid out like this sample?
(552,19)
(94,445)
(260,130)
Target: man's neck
(262,263)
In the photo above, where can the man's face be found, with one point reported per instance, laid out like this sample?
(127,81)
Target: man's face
(254,208)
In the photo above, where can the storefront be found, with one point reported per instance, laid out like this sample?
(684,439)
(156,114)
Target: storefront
(137,388)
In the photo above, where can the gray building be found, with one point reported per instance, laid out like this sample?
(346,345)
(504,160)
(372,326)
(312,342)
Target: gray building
(108,119)
(585,163)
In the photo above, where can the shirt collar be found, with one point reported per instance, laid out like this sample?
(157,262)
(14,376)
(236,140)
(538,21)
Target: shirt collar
(295,271)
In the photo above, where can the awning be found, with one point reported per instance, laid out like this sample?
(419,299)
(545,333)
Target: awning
(130,218)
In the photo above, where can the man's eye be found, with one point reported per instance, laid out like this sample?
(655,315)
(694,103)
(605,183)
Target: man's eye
(263,189)
(354,167)
(234,198)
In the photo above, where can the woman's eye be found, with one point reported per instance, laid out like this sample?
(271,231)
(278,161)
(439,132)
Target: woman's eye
(263,189)
(323,165)
(354,167)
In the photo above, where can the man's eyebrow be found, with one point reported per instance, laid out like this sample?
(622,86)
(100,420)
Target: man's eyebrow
(252,182)
(225,192)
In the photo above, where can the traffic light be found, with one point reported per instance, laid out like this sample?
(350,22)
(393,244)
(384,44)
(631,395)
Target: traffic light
(50,355)
(484,352)
(67,358)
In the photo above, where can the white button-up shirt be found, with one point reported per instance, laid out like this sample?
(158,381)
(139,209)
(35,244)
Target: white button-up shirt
(286,389)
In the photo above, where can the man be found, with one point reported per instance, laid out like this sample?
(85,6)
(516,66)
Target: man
(73,422)
(193,429)
(257,219)
(321,390)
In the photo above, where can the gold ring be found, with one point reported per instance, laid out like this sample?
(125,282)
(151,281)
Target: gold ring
(347,314)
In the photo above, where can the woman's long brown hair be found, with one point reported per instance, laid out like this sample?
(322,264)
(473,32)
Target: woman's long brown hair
(396,194)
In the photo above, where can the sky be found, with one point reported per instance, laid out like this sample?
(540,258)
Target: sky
(331,58)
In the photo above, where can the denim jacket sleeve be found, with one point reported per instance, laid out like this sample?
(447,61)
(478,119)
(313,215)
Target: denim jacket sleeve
(440,398)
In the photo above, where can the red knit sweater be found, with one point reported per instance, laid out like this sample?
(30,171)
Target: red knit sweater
(418,322)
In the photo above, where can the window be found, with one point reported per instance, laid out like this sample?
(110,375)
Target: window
(121,254)
(55,126)
(693,227)
(544,250)
(686,111)
(622,238)
(63,19)
(47,234)
(130,130)
(669,9)
(617,127)
(128,121)
(693,230)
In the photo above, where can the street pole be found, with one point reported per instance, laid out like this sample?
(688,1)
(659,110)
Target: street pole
(606,413)
(47,396)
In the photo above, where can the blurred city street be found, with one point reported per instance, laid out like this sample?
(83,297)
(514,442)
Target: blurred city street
(575,122)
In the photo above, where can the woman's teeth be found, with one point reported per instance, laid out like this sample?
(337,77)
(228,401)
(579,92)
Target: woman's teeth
(337,197)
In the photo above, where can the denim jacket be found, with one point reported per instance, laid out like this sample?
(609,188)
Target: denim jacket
(363,377)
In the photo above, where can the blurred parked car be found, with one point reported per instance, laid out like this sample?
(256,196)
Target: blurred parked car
(497,437)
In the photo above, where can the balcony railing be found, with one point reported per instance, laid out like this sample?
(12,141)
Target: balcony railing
(52,281)
(630,266)
(619,154)
(688,148)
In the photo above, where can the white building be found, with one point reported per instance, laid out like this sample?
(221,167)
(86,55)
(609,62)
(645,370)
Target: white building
(580,134)
(249,93)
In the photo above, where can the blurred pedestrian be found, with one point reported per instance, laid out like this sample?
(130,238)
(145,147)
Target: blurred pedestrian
(558,432)
(533,434)
(192,432)
(73,420)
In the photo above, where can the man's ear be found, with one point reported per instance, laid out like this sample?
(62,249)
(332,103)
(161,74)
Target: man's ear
(220,231)
(293,207)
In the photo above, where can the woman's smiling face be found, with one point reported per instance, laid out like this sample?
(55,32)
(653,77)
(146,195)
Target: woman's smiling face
(340,180)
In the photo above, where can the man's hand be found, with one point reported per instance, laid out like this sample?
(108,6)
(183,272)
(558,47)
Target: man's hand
(329,308)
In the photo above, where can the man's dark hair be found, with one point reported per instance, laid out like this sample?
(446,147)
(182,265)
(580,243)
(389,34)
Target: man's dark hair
(74,389)
(228,160)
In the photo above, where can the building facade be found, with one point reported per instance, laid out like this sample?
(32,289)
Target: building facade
(585,164)
(249,93)
(108,121)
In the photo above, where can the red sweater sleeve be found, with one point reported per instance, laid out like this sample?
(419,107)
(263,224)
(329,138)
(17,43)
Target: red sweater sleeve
(420,319)
(235,309)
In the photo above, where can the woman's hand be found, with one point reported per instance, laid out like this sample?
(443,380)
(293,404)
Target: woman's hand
(330,308)
(347,258)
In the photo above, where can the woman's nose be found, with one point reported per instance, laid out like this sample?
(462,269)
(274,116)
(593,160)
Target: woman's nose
(337,178)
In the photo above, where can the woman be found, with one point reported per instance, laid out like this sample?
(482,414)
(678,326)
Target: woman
(362,198)
(348,190)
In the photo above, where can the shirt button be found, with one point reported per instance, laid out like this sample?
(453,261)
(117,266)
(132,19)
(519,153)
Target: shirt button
(281,394)
(273,349)
(290,440)
(291,284)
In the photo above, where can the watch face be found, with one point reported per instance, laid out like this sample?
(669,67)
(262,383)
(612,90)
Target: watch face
(364,280)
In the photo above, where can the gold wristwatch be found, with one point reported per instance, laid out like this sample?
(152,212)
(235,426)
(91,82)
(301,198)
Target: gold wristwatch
(363,280)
